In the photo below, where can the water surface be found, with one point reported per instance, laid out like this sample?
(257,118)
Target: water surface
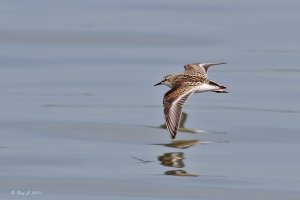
(80,117)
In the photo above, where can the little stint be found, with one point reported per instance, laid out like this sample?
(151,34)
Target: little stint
(193,80)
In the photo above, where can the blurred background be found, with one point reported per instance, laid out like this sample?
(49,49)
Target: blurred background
(77,98)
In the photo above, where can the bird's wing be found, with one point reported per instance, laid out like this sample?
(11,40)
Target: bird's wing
(199,69)
(206,66)
(195,70)
(173,102)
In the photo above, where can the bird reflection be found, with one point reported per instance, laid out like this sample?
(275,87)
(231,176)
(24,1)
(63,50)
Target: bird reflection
(141,160)
(182,125)
(183,144)
(179,173)
(173,159)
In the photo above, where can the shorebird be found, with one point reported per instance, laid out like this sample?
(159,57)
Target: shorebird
(193,80)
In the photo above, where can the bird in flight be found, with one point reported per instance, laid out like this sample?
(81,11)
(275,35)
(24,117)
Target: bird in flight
(193,80)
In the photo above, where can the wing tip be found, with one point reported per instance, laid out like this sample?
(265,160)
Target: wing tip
(172,132)
(173,136)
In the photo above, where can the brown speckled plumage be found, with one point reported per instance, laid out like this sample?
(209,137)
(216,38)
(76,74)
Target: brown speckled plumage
(194,79)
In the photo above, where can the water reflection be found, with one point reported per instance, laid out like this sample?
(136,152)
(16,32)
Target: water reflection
(176,159)
(182,127)
(173,159)
(141,160)
(179,173)
(183,144)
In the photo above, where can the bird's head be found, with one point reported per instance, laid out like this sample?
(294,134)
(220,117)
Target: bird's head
(167,80)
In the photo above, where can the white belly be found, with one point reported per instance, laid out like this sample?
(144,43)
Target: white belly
(206,87)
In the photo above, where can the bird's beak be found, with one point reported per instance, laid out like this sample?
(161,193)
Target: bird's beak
(158,83)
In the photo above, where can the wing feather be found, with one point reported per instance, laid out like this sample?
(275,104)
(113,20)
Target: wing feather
(199,69)
(195,70)
(174,101)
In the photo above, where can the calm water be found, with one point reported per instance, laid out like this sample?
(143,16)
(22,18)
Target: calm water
(80,116)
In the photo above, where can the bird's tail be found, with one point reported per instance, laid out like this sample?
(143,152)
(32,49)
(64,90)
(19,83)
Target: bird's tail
(221,88)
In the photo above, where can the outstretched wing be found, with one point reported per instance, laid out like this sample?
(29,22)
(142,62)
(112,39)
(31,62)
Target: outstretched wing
(173,102)
(195,70)
(199,69)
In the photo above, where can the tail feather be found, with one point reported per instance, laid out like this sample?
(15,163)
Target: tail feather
(220,91)
(221,88)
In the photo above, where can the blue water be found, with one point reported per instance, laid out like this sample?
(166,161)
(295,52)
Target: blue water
(78,102)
